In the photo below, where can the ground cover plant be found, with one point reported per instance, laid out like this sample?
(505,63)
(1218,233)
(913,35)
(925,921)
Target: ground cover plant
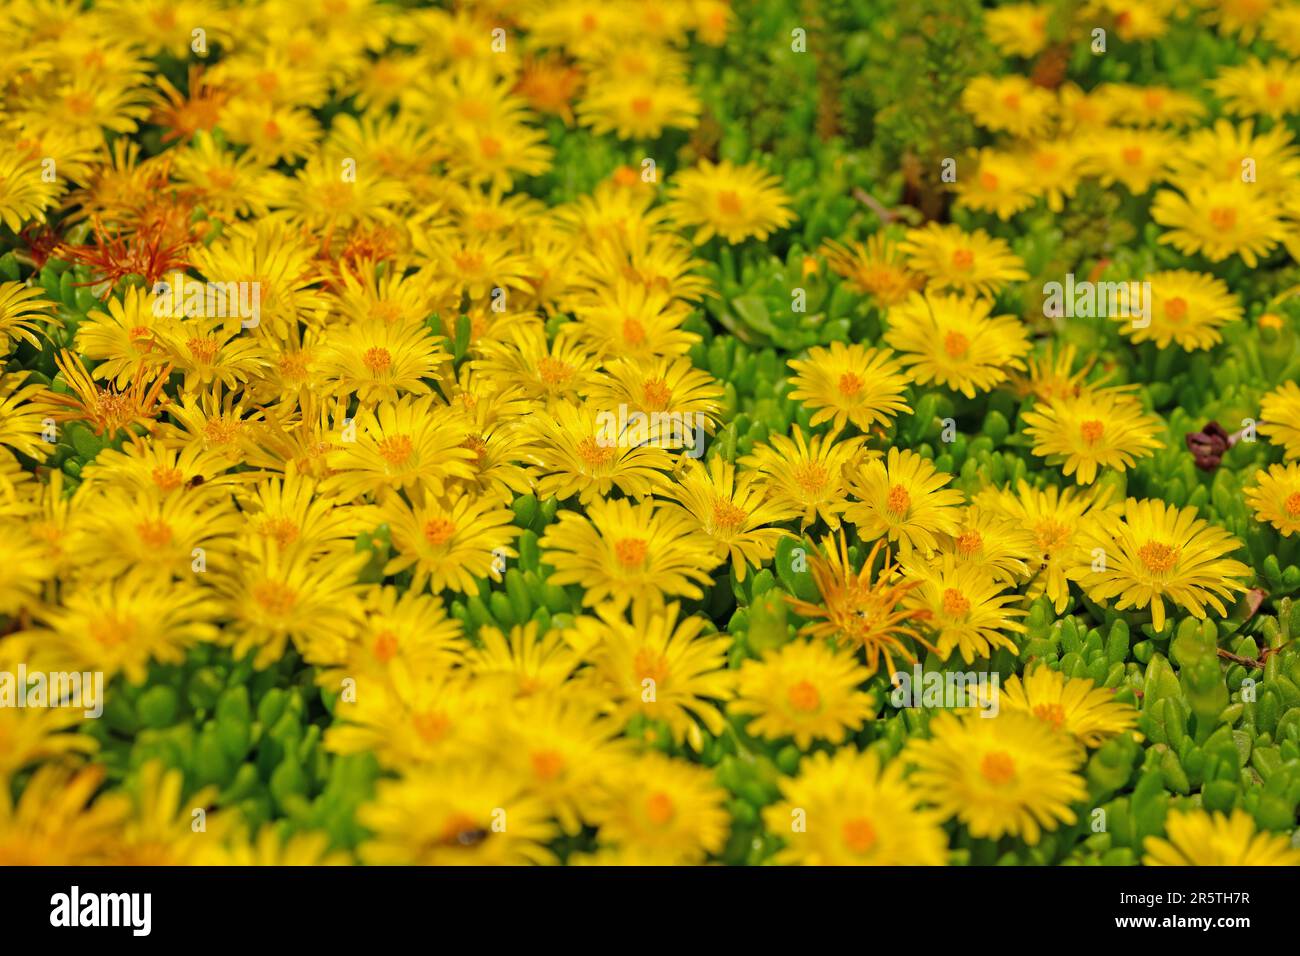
(657,432)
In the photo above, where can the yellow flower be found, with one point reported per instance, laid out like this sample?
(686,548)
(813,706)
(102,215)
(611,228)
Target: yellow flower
(449,543)
(1278,410)
(380,361)
(1200,838)
(964,608)
(732,510)
(735,202)
(1133,105)
(806,691)
(159,820)
(1054,517)
(638,108)
(856,609)
(989,540)
(850,383)
(849,810)
(1282,28)
(1275,496)
(1104,428)
(20,308)
(53,822)
(460,815)
(953,341)
(25,193)
(121,339)
(1219,220)
(1010,104)
(576,450)
(630,320)
(965,262)
(806,477)
(902,499)
(1187,308)
(998,183)
(526,664)
(661,666)
(1089,714)
(1222,153)
(667,812)
(1017,29)
(875,269)
(1259,89)
(1157,552)
(1010,775)
(1136,158)
(622,552)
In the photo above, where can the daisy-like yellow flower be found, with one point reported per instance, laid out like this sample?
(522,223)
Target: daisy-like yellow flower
(969,262)
(991,541)
(875,268)
(54,823)
(1275,497)
(1054,517)
(121,339)
(994,182)
(1017,29)
(850,810)
(734,202)
(577,450)
(1057,168)
(732,510)
(660,665)
(1006,775)
(20,308)
(449,543)
(1186,307)
(663,811)
(686,399)
(632,321)
(806,691)
(963,608)
(546,371)
(119,627)
(622,552)
(403,629)
(1282,28)
(410,445)
(1088,713)
(1241,18)
(1135,158)
(1010,104)
(1201,838)
(807,477)
(1133,105)
(1279,411)
(857,609)
(1257,88)
(639,108)
(952,340)
(379,361)
(458,815)
(1219,220)
(850,383)
(903,500)
(1155,553)
(1103,428)
(1053,375)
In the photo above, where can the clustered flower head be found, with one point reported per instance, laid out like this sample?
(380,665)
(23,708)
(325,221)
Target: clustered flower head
(463,436)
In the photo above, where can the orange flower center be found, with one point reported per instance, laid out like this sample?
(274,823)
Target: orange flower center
(641,105)
(955,603)
(963,259)
(1176,309)
(552,371)
(726,516)
(438,531)
(274,597)
(804,697)
(650,666)
(659,808)
(633,332)
(378,360)
(858,835)
(1132,155)
(969,542)
(955,344)
(547,764)
(630,552)
(810,477)
(385,646)
(431,727)
(1293,504)
(203,348)
(1274,88)
(168,479)
(1054,714)
(594,453)
(850,384)
(998,768)
(281,530)
(1158,557)
(154,534)
(489,146)
(1223,218)
(1092,430)
(729,202)
(899,500)
(657,394)
(988,181)
(395,449)
(1050,535)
